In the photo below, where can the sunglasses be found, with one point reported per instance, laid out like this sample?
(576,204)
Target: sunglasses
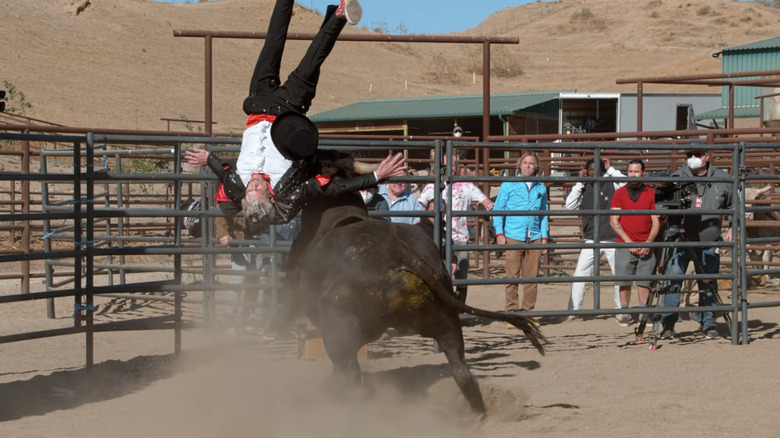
(698,154)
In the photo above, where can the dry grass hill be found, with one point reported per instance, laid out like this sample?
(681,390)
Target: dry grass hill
(116,63)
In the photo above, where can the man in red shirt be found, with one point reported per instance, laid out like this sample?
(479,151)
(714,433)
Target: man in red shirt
(639,261)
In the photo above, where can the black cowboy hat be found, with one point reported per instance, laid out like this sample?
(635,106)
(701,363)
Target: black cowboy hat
(294,135)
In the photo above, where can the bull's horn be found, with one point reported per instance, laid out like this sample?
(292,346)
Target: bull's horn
(364,168)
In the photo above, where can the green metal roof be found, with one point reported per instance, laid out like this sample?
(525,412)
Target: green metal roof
(723,113)
(771,43)
(756,56)
(435,107)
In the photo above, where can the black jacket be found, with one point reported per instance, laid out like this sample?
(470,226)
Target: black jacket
(300,183)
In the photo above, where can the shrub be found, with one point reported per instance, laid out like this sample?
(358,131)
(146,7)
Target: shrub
(442,70)
(503,63)
(583,15)
(17,102)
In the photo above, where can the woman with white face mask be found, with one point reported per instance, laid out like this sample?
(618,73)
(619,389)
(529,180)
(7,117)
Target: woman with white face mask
(374,201)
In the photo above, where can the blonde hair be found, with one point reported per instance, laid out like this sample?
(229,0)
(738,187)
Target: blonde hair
(536,159)
(443,156)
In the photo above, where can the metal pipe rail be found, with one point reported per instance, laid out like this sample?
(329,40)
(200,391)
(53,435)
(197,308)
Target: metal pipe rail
(94,249)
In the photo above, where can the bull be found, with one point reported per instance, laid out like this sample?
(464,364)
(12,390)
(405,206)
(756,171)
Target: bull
(764,254)
(355,277)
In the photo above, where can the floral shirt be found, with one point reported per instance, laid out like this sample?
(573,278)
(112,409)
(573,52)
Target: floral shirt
(463,194)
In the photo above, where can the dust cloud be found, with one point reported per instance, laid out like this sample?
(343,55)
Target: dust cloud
(255,392)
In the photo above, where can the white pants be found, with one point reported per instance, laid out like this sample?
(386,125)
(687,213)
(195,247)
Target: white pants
(584,268)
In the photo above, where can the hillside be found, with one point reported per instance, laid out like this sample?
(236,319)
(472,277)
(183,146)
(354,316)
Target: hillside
(116,64)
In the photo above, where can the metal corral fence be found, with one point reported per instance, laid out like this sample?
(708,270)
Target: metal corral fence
(109,216)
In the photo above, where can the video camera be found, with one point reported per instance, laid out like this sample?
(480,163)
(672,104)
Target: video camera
(673,196)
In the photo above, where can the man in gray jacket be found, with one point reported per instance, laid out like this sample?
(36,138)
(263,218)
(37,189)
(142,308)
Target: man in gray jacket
(707,195)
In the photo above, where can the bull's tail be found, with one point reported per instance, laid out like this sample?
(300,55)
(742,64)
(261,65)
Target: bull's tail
(527,325)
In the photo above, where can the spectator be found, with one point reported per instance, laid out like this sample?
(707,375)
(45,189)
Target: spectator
(581,197)
(699,228)
(426,225)
(399,198)
(463,194)
(374,201)
(634,229)
(519,230)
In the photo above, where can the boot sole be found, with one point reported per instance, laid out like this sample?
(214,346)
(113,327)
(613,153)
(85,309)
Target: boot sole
(352,11)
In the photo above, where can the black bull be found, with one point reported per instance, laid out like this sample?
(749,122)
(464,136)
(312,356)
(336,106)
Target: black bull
(358,276)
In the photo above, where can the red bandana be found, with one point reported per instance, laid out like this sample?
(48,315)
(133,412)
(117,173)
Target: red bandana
(254,119)
(267,182)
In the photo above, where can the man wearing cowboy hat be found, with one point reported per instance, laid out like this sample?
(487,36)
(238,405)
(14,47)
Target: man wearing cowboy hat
(277,133)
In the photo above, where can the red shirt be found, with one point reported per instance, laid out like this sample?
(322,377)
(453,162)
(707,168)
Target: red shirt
(637,227)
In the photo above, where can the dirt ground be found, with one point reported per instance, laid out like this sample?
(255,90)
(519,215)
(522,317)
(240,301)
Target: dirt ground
(594,381)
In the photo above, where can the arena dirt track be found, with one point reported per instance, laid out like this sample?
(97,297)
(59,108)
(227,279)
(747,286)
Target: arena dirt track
(594,381)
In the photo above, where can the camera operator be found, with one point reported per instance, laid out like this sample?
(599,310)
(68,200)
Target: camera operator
(699,228)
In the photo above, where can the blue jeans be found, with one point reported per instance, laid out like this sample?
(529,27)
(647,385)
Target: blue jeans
(710,262)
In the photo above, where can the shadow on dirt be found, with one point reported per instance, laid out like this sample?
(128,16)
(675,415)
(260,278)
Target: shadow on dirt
(71,388)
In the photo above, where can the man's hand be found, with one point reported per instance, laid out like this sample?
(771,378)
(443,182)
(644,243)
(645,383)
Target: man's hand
(501,239)
(223,241)
(642,251)
(391,166)
(196,157)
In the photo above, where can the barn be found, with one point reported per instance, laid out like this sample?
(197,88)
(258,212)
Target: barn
(759,104)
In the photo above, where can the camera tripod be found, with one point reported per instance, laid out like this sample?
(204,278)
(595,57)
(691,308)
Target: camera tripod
(673,233)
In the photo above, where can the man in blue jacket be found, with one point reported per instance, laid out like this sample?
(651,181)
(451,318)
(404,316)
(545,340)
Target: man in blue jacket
(516,230)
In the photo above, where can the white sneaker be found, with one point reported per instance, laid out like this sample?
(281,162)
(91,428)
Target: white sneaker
(623,319)
(351,10)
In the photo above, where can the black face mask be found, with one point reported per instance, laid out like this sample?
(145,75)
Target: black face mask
(635,191)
